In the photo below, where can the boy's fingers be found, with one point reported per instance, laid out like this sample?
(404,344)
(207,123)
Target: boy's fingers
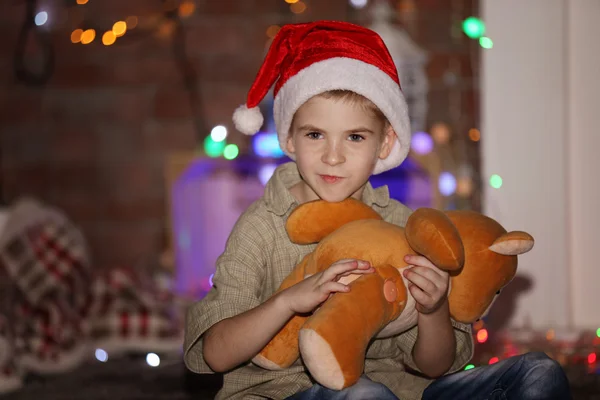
(427,273)
(419,295)
(339,268)
(424,262)
(332,287)
(357,272)
(419,280)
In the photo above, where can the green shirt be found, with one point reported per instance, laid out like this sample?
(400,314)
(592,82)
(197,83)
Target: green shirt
(258,257)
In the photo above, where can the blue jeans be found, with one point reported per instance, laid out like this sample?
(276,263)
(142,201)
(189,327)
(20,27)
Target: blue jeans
(526,377)
(363,389)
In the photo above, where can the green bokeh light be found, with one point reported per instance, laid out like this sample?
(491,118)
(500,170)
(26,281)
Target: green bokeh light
(231,151)
(496,181)
(473,27)
(212,148)
(486,42)
(470,366)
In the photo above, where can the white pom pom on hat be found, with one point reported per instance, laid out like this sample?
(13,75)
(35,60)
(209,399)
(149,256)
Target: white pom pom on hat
(248,120)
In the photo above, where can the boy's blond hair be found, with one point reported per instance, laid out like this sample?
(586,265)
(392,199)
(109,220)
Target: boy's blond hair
(351,97)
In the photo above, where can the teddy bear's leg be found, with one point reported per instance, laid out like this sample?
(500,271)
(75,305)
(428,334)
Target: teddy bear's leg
(334,340)
(431,233)
(282,350)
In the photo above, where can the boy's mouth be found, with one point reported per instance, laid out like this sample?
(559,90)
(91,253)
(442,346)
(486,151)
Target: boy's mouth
(331,178)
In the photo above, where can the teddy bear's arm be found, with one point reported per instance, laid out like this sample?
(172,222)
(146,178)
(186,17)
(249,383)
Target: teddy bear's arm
(431,233)
(312,221)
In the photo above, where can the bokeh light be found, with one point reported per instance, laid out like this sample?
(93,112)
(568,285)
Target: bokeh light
(422,143)
(218,133)
(266,145)
(440,133)
(101,355)
(119,28)
(474,134)
(358,4)
(447,183)
(486,42)
(153,359)
(76,35)
(88,36)
(273,30)
(41,18)
(131,22)
(212,148)
(108,38)
(482,335)
(496,181)
(231,151)
(186,8)
(473,27)
(298,7)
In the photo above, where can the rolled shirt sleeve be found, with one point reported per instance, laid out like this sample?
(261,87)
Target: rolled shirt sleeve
(236,287)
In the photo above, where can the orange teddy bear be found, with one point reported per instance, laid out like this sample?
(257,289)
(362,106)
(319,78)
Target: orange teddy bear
(480,255)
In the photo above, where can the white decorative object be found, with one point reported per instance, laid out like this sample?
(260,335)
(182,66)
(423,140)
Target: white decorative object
(410,60)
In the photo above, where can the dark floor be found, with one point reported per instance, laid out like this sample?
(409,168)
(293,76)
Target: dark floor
(133,379)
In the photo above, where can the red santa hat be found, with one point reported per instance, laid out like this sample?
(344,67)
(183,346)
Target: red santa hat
(308,59)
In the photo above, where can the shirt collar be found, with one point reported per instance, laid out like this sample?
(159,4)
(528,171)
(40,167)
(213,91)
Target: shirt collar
(279,199)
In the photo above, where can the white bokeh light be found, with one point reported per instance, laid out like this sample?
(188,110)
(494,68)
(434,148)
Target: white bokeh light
(359,3)
(41,18)
(153,359)
(218,133)
(101,355)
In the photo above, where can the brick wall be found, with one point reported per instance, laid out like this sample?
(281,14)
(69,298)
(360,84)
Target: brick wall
(93,139)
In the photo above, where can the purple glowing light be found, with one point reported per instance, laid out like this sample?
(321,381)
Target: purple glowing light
(447,183)
(422,143)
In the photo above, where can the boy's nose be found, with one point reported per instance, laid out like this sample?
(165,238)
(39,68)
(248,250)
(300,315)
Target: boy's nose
(333,155)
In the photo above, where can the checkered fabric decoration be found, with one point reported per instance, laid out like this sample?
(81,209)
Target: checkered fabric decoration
(131,316)
(60,311)
(45,254)
(50,337)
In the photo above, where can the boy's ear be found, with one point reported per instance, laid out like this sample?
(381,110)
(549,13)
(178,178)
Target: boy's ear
(289,144)
(389,139)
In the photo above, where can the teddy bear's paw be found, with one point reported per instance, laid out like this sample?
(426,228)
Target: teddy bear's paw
(320,360)
(431,233)
(265,363)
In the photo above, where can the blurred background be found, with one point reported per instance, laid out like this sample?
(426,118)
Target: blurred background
(121,174)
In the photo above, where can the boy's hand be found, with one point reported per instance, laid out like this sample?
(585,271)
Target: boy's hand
(305,296)
(428,284)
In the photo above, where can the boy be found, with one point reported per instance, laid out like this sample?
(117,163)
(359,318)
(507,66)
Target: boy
(341,115)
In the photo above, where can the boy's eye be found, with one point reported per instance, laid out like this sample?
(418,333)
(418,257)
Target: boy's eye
(356,138)
(313,135)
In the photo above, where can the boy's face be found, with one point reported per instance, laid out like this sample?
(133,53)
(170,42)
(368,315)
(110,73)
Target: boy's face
(336,145)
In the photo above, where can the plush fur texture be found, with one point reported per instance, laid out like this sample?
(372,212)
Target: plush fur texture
(477,251)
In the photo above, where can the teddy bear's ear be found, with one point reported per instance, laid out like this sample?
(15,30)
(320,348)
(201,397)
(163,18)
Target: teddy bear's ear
(312,221)
(513,243)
